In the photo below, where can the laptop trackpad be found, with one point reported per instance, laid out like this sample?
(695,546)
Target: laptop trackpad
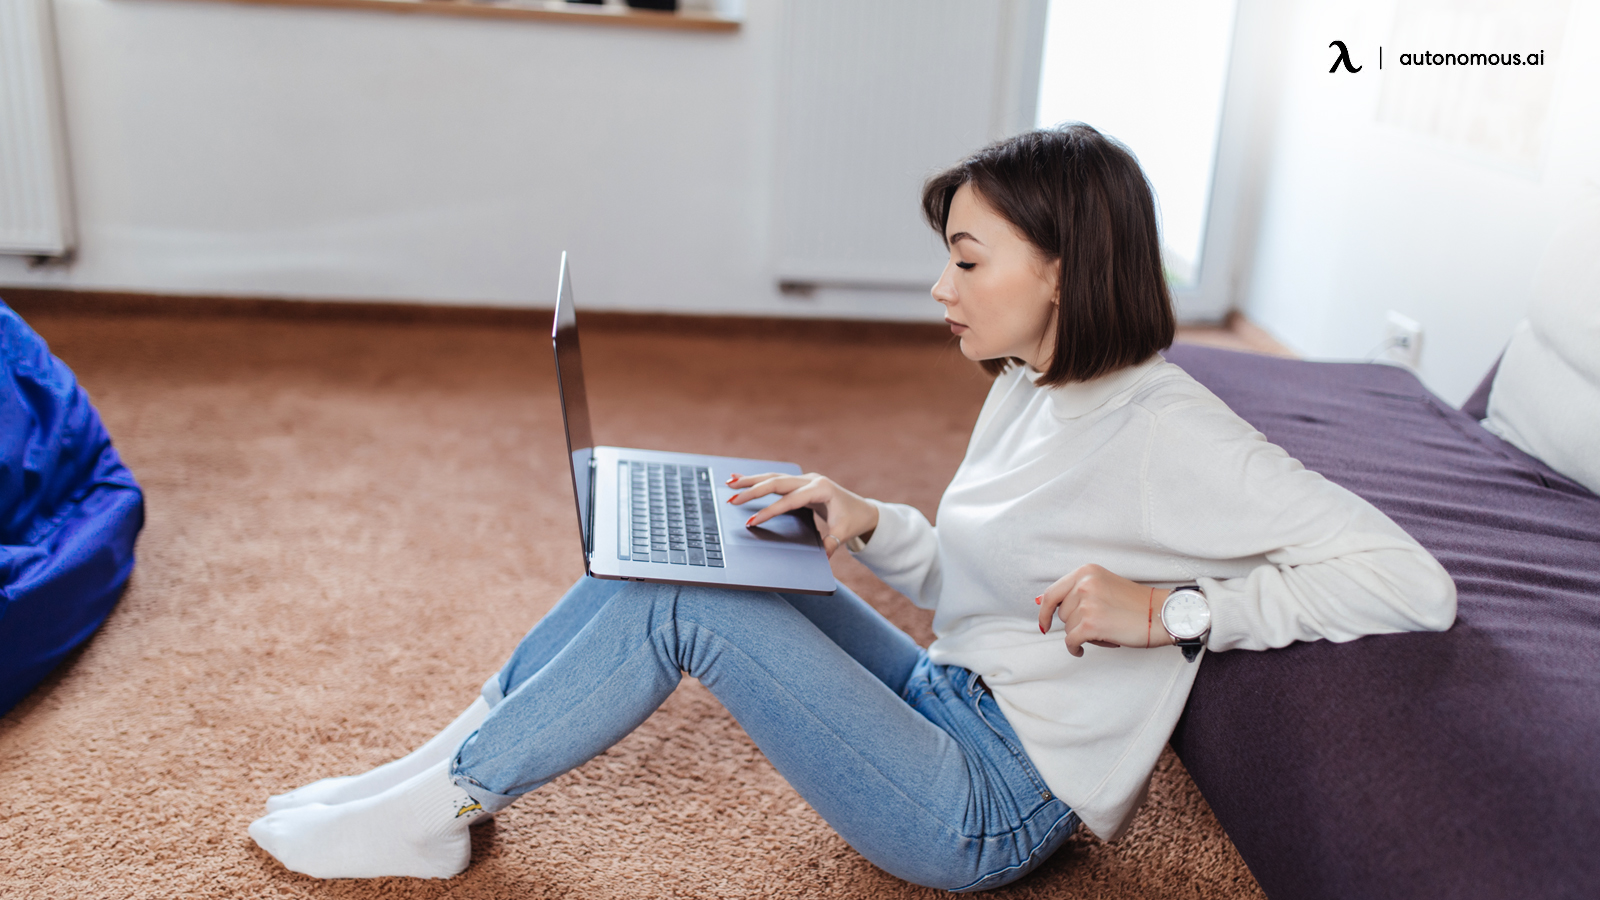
(794,529)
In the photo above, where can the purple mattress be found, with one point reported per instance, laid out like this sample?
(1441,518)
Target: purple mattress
(1464,764)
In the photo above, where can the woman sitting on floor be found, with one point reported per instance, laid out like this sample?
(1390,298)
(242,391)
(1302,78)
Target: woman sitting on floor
(1108,508)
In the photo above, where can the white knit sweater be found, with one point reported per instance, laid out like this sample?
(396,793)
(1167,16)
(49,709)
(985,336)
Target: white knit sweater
(1146,473)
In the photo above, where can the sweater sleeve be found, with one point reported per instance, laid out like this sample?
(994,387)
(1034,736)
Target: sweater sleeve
(1336,568)
(904,552)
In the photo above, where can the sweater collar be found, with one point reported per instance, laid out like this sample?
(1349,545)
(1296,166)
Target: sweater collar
(1079,398)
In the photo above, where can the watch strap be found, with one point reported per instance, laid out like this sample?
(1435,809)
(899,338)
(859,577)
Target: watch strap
(1190,648)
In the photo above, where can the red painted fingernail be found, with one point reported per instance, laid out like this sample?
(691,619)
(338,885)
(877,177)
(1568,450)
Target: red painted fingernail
(730,499)
(748,521)
(1037,599)
(1041,629)
(732,479)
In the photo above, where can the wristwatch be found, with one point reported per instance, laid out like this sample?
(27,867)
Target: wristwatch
(1187,617)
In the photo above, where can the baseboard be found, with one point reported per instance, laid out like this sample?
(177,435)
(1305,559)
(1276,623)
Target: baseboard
(73,302)
(1236,332)
(30,301)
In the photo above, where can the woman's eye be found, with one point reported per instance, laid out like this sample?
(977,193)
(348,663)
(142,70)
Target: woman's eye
(965,265)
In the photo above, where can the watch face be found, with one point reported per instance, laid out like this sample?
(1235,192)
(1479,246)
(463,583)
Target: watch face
(1186,615)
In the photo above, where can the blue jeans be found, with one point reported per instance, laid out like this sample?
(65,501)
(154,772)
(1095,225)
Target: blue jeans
(912,763)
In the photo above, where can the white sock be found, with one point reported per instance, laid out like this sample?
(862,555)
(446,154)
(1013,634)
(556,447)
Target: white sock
(442,746)
(416,828)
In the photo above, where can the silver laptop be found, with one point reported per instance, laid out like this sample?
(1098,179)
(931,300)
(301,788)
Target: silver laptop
(651,515)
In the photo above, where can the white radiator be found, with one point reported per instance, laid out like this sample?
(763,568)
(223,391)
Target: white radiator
(35,207)
(874,96)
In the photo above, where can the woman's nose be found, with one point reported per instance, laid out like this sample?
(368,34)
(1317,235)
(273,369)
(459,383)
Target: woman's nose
(944,289)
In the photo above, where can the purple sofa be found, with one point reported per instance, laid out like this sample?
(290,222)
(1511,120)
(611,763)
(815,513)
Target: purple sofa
(1464,764)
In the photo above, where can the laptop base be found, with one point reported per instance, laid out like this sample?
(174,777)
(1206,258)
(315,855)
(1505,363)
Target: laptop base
(782,555)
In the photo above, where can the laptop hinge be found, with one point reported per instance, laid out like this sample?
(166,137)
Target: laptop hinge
(588,548)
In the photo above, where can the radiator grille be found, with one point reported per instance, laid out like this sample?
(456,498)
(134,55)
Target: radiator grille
(34,210)
(874,97)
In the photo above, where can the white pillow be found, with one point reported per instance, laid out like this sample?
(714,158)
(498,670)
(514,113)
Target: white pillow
(1546,396)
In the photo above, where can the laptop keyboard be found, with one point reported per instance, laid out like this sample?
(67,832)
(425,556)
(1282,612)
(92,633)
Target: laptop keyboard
(671,515)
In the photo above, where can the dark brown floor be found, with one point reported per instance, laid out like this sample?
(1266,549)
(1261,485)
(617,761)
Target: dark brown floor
(350,524)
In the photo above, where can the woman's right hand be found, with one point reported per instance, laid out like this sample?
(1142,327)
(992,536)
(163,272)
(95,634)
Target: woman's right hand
(839,514)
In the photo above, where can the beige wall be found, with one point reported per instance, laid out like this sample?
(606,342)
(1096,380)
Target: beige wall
(1366,208)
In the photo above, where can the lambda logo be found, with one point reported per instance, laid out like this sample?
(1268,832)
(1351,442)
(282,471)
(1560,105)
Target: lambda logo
(1344,57)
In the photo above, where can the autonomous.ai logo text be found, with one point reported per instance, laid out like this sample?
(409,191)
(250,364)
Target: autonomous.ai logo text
(1429,58)
(1432,58)
(1344,57)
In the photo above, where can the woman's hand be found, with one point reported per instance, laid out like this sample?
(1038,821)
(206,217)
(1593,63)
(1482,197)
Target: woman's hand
(839,514)
(1104,609)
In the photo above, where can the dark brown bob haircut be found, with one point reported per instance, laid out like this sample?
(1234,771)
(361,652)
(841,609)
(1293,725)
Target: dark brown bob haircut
(1081,199)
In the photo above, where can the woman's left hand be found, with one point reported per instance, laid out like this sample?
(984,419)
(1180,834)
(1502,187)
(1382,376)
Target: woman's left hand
(1102,608)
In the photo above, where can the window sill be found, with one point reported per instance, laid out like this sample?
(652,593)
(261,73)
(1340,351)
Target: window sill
(543,10)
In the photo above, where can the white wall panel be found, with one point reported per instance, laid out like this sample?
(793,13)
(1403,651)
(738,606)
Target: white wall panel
(225,149)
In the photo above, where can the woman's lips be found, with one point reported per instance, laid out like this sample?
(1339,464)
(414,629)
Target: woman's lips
(955,327)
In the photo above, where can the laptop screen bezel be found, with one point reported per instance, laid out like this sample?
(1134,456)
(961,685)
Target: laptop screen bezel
(574,405)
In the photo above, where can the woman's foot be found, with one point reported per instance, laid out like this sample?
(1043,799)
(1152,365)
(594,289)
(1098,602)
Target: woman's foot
(333,791)
(417,828)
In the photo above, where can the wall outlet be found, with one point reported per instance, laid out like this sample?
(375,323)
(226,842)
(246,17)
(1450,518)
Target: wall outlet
(1402,340)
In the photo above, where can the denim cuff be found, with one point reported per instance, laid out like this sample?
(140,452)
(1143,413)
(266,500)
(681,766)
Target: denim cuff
(489,800)
(492,694)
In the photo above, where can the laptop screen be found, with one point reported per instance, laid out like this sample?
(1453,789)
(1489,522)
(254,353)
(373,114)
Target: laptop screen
(574,403)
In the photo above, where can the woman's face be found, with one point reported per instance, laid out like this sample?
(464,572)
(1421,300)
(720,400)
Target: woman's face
(998,291)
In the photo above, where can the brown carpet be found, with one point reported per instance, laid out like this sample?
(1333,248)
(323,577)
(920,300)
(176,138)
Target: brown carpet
(351,523)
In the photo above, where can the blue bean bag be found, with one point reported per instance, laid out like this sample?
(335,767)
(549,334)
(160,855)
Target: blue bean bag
(69,513)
